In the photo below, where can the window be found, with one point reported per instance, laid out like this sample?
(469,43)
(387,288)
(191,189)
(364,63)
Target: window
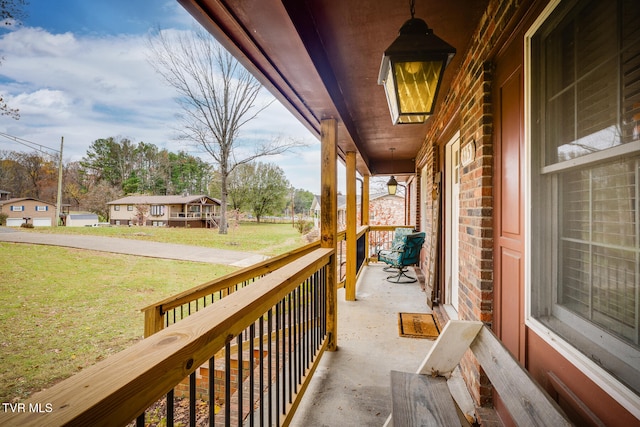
(42,208)
(116,207)
(585,181)
(157,210)
(17,208)
(130,208)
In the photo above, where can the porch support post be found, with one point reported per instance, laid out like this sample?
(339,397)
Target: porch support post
(365,213)
(350,285)
(329,221)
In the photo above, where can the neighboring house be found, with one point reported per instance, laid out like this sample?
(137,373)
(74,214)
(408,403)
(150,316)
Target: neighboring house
(199,211)
(384,209)
(4,195)
(81,219)
(27,210)
(342,209)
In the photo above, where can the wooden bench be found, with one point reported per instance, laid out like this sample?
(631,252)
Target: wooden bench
(423,399)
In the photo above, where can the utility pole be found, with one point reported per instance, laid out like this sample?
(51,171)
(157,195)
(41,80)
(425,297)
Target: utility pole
(59,200)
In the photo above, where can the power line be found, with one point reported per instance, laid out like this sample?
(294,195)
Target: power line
(30,144)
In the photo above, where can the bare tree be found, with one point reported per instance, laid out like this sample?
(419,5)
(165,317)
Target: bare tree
(217,97)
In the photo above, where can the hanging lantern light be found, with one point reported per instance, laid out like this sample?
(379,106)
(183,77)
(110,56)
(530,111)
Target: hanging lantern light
(392,184)
(412,69)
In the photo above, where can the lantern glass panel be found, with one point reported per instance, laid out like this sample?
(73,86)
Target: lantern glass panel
(417,83)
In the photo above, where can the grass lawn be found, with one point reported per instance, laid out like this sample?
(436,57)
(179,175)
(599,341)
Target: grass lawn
(264,238)
(63,309)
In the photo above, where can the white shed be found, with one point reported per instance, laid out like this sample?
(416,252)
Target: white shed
(82,220)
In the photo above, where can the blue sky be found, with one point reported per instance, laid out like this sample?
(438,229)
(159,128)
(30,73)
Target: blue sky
(77,69)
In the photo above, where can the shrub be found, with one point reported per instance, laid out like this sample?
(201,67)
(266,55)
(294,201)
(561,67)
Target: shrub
(303,226)
(3,218)
(26,225)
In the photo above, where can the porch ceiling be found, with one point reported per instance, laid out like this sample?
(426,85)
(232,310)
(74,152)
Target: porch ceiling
(321,58)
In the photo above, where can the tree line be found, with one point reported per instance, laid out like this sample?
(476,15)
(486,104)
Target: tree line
(115,167)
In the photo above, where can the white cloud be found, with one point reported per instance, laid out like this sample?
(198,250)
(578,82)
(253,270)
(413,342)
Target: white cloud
(90,87)
(44,102)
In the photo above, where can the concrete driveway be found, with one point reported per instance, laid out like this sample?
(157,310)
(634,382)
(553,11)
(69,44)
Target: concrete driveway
(134,247)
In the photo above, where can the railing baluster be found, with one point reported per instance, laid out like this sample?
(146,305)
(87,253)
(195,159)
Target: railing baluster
(270,364)
(169,400)
(252,334)
(300,338)
(192,398)
(227,384)
(239,378)
(140,420)
(212,392)
(277,373)
(261,366)
(293,345)
(285,359)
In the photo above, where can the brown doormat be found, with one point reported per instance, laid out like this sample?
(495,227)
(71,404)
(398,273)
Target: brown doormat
(417,325)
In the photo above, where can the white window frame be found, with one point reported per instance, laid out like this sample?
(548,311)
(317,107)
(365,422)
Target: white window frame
(42,208)
(116,207)
(156,210)
(607,382)
(17,208)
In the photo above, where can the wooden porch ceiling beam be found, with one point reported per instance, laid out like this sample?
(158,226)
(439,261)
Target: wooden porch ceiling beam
(305,25)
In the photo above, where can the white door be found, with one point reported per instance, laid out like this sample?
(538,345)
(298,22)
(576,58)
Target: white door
(42,222)
(452,185)
(14,222)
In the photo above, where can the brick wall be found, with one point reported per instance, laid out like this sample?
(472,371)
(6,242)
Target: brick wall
(385,210)
(467,107)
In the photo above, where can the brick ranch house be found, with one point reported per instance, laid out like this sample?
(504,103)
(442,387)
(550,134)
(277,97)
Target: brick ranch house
(198,211)
(526,177)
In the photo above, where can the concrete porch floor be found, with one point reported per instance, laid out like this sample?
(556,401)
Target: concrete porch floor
(351,387)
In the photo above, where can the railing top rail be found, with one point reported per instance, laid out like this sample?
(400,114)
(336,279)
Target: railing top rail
(117,389)
(388,227)
(231,279)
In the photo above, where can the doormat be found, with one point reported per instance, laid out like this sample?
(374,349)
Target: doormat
(417,325)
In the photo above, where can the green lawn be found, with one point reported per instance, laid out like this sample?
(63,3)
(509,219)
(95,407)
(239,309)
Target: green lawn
(64,309)
(263,238)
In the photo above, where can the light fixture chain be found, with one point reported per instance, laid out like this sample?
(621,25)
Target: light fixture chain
(412,6)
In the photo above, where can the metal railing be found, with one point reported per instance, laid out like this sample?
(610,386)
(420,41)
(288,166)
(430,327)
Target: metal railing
(381,237)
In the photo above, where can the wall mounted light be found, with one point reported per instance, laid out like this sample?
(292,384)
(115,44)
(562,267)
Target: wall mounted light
(412,69)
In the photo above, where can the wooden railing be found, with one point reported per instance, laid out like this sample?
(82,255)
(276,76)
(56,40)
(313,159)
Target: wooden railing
(288,305)
(172,309)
